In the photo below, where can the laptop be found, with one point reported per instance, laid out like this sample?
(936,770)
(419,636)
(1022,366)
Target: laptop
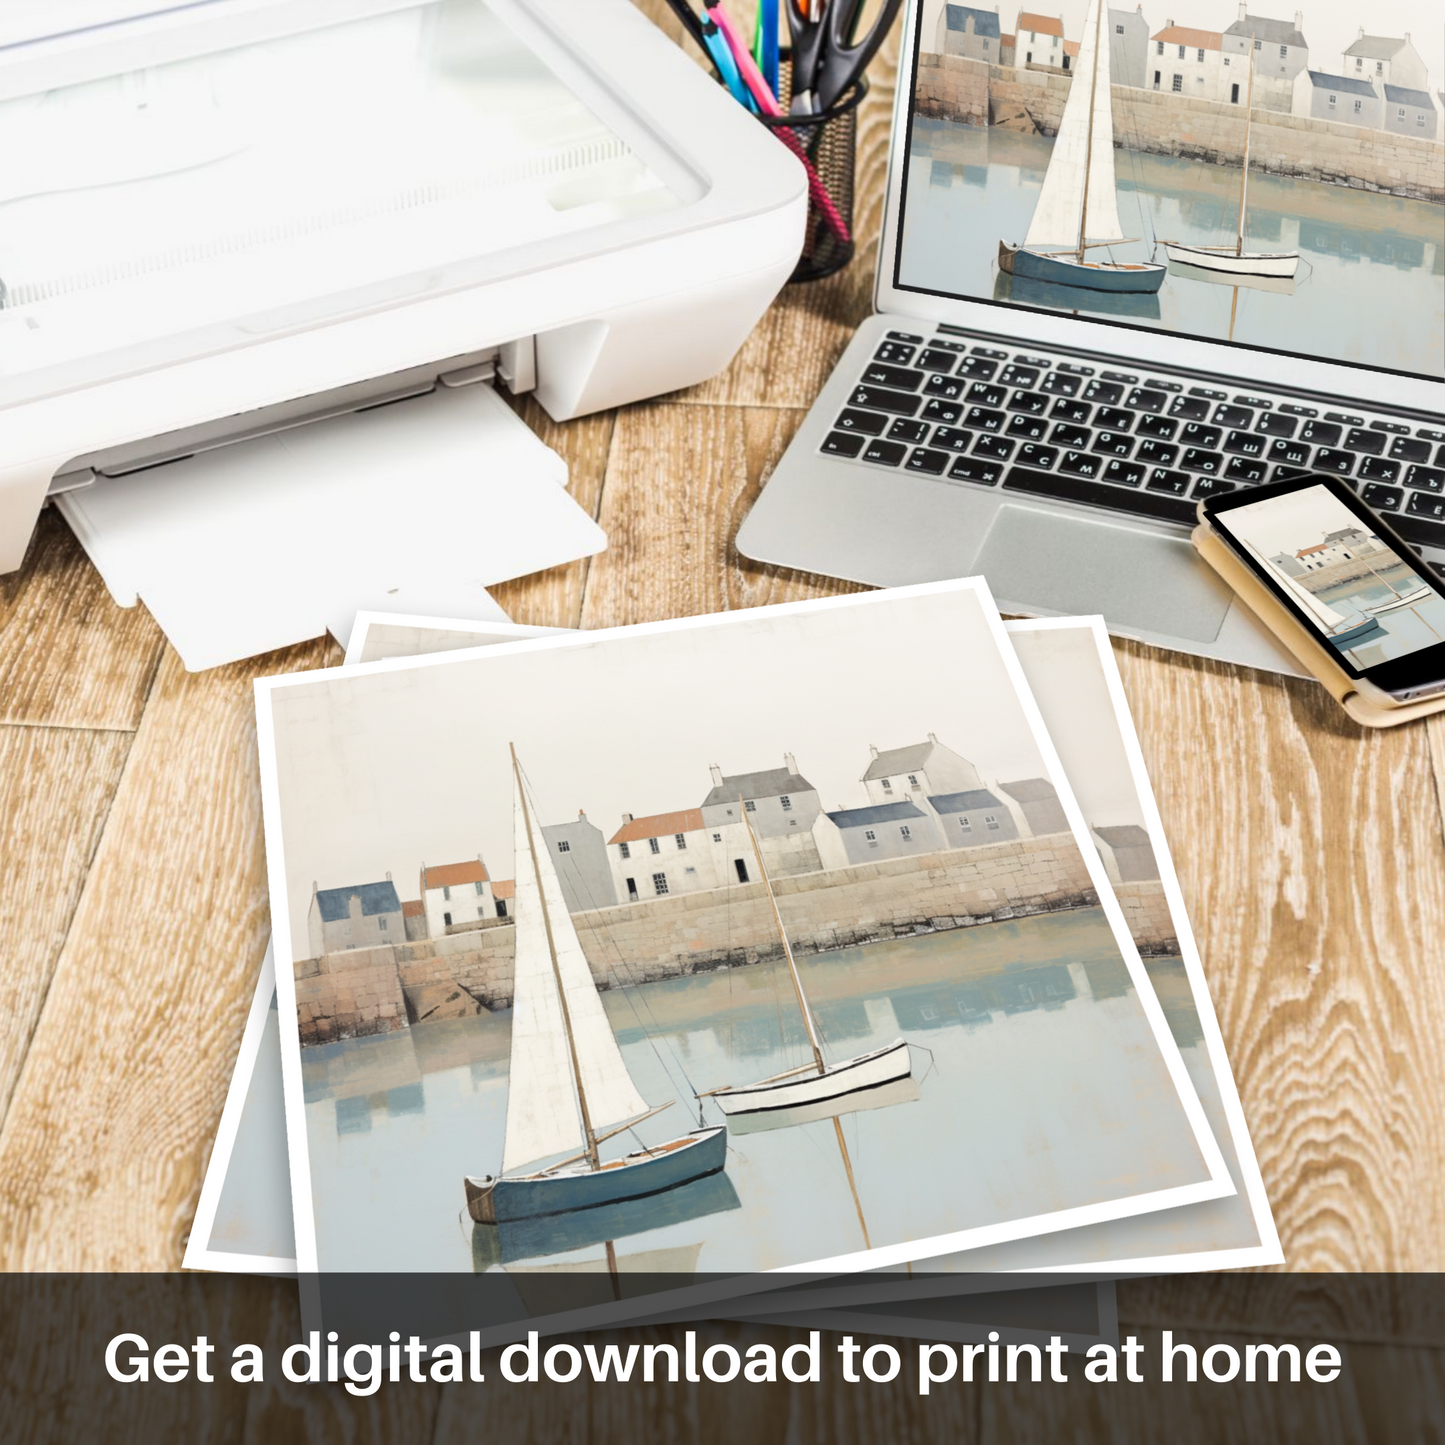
(1086,321)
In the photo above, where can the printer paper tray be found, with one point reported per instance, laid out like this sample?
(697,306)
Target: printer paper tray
(416,506)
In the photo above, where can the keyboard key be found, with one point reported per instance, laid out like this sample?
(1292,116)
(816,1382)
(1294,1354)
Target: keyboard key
(971,469)
(1016,375)
(1030,427)
(1144,398)
(1430,434)
(1161,479)
(1332,459)
(995,447)
(1156,454)
(895,353)
(1344,418)
(1208,393)
(843,444)
(1258,401)
(1081,464)
(1112,444)
(1398,428)
(925,459)
(877,374)
(1293,410)
(984,395)
(1369,442)
(1190,408)
(1229,415)
(1060,383)
(1156,426)
(905,336)
(1378,469)
(1418,530)
(1199,460)
(1089,371)
(1292,454)
(906,430)
(1195,435)
(1440,457)
(886,454)
(1113,418)
(1289,474)
(982,419)
(1125,474)
(976,368)
(953,438)
(1036,456)
(1406,449)
(1381,498)
(1427,479)
(1107,392)
(1272,424)
(877,398)
(1070,436)
(1099,494)
(992,352)
(935,409)
(1035,403)
(1075,411)
(867,422)
(1127,377)
(1213,486)
(1163,385)
(1245,469)
(933,359)
(948,387)
(1244,443)
(1322,433)
(942,344)
(1038,361)
(1426,504)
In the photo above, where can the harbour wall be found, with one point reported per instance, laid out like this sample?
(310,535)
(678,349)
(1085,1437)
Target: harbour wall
(1161,123)
(1352,570)
(373,991)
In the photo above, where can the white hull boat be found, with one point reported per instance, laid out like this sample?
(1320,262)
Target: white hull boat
(1407,599)
(801,1087)
(1227,263)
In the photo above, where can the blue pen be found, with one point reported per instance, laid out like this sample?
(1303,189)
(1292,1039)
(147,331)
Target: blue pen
(727,67)
(768,28)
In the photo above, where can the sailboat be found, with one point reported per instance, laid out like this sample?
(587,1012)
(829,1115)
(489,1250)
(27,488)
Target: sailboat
(840,1086)
(568,1086)
(1077,208)
(1225,263)
(1339,629)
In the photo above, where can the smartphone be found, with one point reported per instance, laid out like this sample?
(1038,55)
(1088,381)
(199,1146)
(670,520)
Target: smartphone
(1340,570)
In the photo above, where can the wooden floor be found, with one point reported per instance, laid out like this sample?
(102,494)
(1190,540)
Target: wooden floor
(134,902)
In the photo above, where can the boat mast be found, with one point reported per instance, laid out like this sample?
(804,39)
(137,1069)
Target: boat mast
(1244,179)
(787,950)
(593,1158)
(1089,143)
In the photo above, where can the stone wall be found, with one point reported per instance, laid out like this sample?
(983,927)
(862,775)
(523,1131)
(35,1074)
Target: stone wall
(690,933)
(1146,912)
(349,995)
(1162,123)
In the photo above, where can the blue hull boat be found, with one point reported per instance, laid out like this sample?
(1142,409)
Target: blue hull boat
(1066,270)
(634,1176)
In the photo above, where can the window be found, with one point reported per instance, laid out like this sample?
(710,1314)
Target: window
(1158,47)
(717,837)
(990,820)
(985,47)
(913,780)
(964,825)
(482,887)
(1178,83)
(562,847)
(632,890)
(785,800)
(481,912)
(751,806)
(742,870)
(1199,56)
(681,840)
(1359,64)
(1156,80)
(381,923)
(1333,99)
(1401,112)
(654,845)
(870,835)
(1226,60)
(1420,119)
(887,785)
(1283,51)
(501,908)
(1358,106)
(659,883)
(447,894)
(1181,52)
(905,830)
(1118,30)
(1055,42)
(1257,44)
(624,851)
(447,919)
(1379,66)
(690,870)
(1028,59)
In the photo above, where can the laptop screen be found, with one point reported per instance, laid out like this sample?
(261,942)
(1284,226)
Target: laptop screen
(1092,162)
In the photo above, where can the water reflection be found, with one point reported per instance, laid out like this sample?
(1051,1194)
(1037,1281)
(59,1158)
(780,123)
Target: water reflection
(1026,291)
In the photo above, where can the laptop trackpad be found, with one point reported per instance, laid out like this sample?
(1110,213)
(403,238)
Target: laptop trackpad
(1042,560)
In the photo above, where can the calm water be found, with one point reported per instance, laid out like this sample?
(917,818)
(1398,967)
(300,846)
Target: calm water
(1371,282)
(1422,624)
(1039,1088)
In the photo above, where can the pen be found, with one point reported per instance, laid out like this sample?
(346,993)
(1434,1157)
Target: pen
(724,56)
(765,42)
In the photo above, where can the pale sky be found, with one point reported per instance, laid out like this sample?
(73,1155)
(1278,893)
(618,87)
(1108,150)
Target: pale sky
(379,771)
(1289,522)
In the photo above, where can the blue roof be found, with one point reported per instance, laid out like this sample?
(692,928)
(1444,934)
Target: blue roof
(964,802)
(1398,95)
(985,22)
(335,903)
(882,813)
(1345,83)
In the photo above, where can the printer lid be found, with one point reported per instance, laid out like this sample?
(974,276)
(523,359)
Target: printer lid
(182,178)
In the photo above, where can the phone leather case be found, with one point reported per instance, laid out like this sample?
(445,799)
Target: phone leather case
(1313,656)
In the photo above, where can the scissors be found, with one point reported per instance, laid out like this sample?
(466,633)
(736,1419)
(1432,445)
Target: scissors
(827,55)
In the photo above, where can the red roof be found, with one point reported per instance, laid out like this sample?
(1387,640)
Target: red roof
(507,888)
(659,825)
(1305,551)
(449,875)
(413,908)
(1041,24)
(1195,39)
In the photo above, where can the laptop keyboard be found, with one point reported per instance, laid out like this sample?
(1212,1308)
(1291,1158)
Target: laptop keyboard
(1137,443)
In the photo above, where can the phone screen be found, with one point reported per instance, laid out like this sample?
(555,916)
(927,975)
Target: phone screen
(1342,572)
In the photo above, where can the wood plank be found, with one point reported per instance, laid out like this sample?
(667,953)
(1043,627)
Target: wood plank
(1311,859)
(554,598)
(680,480)
(56,786)
(69,657)
(111,1120)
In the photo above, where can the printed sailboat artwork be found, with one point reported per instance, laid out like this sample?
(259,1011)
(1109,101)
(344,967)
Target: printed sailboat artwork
(837,1088)
(1228,264)
(1077,209)
(1342,631)
(568,1086)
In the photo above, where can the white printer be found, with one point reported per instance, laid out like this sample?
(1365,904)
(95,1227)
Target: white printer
(224,219)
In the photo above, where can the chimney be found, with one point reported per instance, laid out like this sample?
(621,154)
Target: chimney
(933,738)
(388,877)
(627,817)
(581,816)
(1243,11)
(872,749)
(790,762)
(315,888)
(716,775)
(1299,21)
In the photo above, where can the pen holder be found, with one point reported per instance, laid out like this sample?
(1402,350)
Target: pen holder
(826,142)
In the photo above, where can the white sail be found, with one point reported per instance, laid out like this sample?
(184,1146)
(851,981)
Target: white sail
(543,1115)
(1322,612)
(1078,160)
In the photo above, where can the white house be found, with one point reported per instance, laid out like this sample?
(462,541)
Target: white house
(365,915)
(1039,803)
(971,33)
(1127,853)
(1280,53)
(1039,40)
(782,807)
(668,853)
(1342,546)
(1385,61)
(916,771)
(455,893)
(1190,62)
(886,830)
(1340,98)
(973,819)
(1410,112)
